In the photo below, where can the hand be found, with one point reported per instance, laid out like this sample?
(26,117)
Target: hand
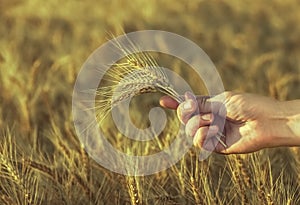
(252,122)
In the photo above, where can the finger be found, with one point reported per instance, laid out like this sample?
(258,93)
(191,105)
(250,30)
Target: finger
(168,102)
(197,121)
(186,110)
(204,137)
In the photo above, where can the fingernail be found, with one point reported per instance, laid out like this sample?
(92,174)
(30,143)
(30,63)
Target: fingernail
(206,117)
(187,105)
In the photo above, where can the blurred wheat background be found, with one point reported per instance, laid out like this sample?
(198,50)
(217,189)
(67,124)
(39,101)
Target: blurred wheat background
(255,46)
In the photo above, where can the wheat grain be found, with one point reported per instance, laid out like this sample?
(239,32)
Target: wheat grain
(261,193)
(269,199)
(44,169)
(133,191)
(85,163)
(244,171)
(195,191)
(182,183)
(85,187)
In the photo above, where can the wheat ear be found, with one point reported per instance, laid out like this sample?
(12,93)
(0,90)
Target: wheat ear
(138,74)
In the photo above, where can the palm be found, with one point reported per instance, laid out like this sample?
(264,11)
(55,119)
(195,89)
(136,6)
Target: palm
(246,124)
(237,140)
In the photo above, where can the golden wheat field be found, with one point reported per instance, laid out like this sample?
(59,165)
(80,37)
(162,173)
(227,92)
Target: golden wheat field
(255,46)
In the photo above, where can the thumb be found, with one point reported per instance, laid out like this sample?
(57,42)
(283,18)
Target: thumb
(188,108)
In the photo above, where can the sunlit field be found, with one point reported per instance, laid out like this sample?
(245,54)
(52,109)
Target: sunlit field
(255,46)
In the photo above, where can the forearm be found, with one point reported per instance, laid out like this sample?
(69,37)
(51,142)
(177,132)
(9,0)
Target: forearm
(294,119)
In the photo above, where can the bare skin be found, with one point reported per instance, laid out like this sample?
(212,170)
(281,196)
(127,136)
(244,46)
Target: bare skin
(252,122)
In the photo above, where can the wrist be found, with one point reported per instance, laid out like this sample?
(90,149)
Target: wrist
(287,123)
